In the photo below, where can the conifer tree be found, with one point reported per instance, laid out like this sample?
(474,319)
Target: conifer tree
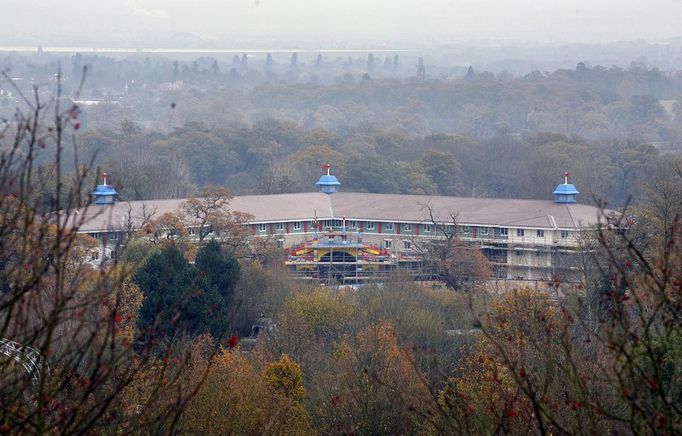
(220,269)
(176,298)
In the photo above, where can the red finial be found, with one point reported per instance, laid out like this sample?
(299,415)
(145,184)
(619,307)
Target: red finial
(566,174)
(104,178)
(326,167)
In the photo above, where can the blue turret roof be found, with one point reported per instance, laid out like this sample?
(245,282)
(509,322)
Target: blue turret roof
(565,192)
(566,188)
(105,194)
(328,184)
(328,181)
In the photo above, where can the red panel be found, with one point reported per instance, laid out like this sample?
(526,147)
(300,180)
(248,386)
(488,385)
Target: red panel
(379,227)
(272,229)
(305,226)
(253,228)
(416,229)
(288,227)
(397,228)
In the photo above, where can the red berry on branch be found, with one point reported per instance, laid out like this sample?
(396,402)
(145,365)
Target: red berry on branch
(234,341)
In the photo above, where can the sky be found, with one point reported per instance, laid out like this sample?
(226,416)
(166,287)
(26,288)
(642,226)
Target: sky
(342,21)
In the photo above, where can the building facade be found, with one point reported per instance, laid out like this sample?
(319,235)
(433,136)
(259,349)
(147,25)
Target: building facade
(523,239)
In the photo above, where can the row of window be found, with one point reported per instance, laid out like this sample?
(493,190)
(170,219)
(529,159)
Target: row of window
(482,231)
(388,243)
(111,236)
(538,253)
(389,227)
(541,233)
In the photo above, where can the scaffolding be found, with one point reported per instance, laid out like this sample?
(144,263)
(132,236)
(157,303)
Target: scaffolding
(336,257)
(341,257)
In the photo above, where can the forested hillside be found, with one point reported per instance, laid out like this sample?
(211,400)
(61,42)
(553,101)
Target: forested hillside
(280,156)
(166,128)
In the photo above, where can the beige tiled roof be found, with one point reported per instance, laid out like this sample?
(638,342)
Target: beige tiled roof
(491,211)
(363,206)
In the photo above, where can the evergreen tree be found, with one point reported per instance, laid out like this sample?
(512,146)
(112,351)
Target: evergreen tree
(176,298)
(220,269)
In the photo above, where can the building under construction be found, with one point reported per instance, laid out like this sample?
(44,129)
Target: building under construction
(352,237)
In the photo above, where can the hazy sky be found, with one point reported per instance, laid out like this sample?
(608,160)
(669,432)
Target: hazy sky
(372,21)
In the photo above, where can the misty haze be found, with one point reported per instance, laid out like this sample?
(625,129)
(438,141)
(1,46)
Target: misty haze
(341,217)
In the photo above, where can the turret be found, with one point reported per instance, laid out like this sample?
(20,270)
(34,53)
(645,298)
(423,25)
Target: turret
(565,192)
(328,184)
(105,194)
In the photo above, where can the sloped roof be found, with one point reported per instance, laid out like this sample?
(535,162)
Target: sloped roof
(364,206)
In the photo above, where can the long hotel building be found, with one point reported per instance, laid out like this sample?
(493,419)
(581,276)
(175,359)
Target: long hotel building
(523,239)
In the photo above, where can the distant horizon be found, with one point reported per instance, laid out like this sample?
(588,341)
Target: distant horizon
(65,44)
(201,46)
(350,22)
(183,50)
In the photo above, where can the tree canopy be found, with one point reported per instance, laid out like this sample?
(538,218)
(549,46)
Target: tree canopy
(179,297)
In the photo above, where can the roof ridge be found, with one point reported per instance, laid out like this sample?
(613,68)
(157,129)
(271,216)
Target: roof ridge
(552,221)
(571,215)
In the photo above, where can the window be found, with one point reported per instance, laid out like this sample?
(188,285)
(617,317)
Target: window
(352,224)
(388,243)
(262,227)
(519,253)
(388,227)
(520,232)
(537,253)
(503,231)
(427,228)
(370,225)
(564,234)
(466,230)
(407,227)
(190,230)
(483,231)
(95,254)
(297,225)
(407,245)
(279,227)
(541,233)
(280,243)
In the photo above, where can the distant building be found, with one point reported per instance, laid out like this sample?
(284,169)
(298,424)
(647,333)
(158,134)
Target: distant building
(523,239)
